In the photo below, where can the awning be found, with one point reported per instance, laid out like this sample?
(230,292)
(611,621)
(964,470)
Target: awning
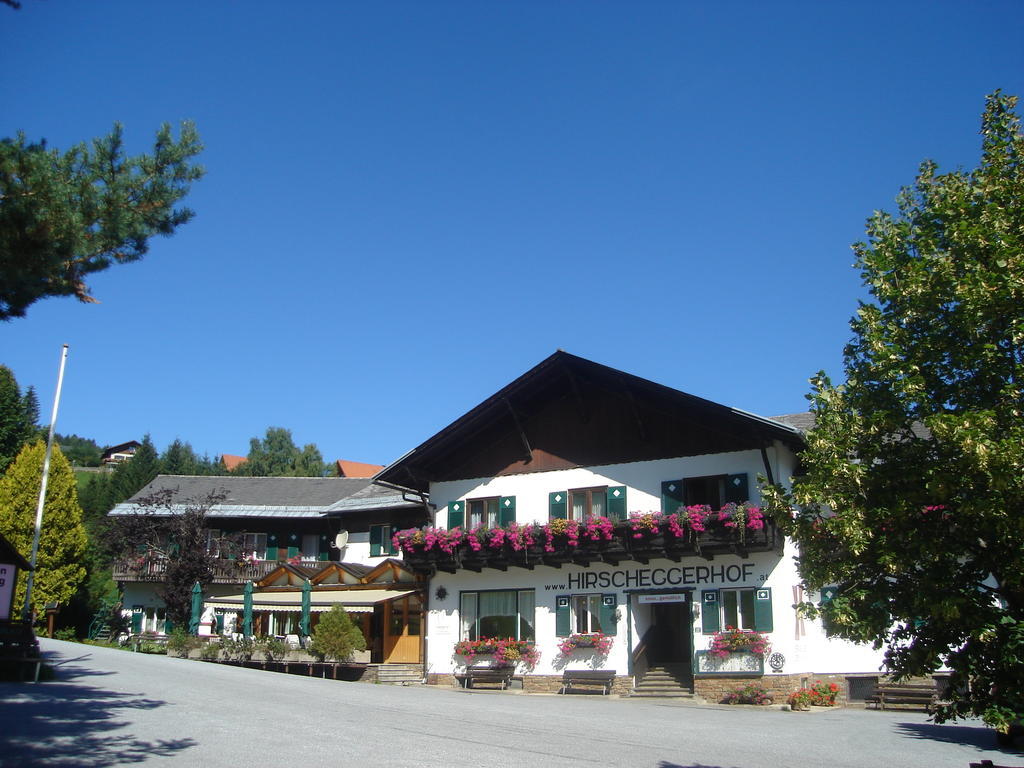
(353,601)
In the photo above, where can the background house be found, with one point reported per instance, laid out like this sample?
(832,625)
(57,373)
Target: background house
(334,531)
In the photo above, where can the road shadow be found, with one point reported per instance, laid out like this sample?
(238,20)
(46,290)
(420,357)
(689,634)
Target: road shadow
(62,671)
(978,736)
(667,764)
(64,724)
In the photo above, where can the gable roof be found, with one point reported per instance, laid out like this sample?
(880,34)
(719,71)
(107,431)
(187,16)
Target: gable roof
(569,411)
(265,496)
(356,468)
(232,462)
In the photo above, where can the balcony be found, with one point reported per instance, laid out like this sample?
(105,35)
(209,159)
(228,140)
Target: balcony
(225,571)
(642,538)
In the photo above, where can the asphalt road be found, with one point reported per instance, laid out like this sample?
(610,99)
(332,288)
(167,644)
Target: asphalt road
(111,707)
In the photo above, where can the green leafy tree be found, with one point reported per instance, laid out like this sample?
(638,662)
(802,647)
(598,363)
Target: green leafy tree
(278,456)
(65,215)
(59,564)
(913,499)
(336,636)
(18,416)
(181,459)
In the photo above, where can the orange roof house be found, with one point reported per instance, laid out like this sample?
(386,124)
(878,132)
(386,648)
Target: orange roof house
(357,468)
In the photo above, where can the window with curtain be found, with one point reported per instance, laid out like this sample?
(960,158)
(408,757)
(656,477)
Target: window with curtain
(738,608)
(483,513)
(497,613)
(587,502)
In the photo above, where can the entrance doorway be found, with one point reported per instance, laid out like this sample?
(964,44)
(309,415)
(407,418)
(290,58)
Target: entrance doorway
(403,623)
(671,633)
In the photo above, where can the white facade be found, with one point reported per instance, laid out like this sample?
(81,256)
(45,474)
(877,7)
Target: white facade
(636,587)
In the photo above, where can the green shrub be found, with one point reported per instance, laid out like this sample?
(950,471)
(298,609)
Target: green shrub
(68,633)
(336,636)
(271,647)
(179,642)
(209,651)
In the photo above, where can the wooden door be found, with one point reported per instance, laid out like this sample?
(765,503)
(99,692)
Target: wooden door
(403,624)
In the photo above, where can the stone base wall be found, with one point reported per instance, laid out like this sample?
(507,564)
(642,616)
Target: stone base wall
(538,683)
(715,689)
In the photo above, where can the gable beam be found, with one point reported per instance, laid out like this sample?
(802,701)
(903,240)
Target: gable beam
(528,457)
(581,406)
(641,431)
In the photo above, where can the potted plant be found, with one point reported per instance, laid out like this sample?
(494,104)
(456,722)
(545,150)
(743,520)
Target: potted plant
(749,694)
(824,694)
(800,700)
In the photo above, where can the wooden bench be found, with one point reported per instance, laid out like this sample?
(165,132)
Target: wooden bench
(919,697)
(486,674)
(588,678)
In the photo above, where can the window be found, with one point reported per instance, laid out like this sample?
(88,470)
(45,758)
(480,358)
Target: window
(497,613)
(587,502)
(738,608)
(713,490)
(380,541)
(581,503)
(586,613)
(483,513)
(310,546)
(254,544)
(213,537)
(749,609)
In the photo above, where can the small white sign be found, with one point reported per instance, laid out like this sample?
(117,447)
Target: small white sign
(7,571)
(675,597)
(442,628)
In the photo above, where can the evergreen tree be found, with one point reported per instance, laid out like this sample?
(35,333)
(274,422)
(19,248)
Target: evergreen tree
(59,564)
(80,451)
(66,215)
(180,459)
(131,476)
(336,636)
(913,499)
(18,416)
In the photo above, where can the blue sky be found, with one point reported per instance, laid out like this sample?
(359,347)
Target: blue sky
(409,204)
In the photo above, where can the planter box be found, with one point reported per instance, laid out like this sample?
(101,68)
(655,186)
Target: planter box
(737,664)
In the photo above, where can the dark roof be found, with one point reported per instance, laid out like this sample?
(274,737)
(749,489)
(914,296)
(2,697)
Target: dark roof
(8,554)
(673,423)
(266,496)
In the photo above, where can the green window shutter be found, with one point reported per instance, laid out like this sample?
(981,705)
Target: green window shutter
(220,623)
(325,548)
(710,619)
(763,609)
(563,618)
(609,604)
(558,505)
(616,502)
(456,514)
(168,626)
(293,551)
(272,553)
(736,489)
(136,622)
(671,496)
(506,510)
(376,538)
(389,544)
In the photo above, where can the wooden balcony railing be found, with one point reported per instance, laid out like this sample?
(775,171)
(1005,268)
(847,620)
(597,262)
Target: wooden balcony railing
(224,571)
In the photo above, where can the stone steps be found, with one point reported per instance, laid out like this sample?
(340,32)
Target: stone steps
(399,674)
(665,681)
